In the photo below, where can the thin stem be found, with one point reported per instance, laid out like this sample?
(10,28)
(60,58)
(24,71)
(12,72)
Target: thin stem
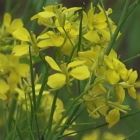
(32,78)
(109,26)
(45,77)
(50,121)
(78,46)
(80,31)
(68,121)
(121,22)
(99,126)
(130,135)
(68,37)
(131,58)
(11,112)
(33,92)
(27,116)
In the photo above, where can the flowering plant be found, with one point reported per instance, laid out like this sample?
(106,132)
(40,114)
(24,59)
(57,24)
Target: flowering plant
(48,79)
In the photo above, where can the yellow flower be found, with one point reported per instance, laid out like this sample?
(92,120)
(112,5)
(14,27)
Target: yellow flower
(112,76)
(96,102)
(15,69)
(113,117)
(50,39)
(75,69)
(20,50)
(96,24)
(15,28)
(120,93)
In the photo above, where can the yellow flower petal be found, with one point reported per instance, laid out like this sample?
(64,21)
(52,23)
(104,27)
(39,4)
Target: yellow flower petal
(112,54)
(92,36)
(23,70)
(20,50)
(80,72)
(132,92)
(112,76)
(16,23)
(133,77)
(56,81)
(7,20)
(43,36)
(52,40)
(21,34)
(45,14)
(120,93)
(113,117)
(75,63)
(73,9)
(52,63)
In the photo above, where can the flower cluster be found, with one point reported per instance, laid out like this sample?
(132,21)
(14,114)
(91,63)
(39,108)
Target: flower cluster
(77,40)
(12,69)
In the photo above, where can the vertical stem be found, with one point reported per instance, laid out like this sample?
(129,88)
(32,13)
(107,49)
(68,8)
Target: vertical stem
(109,26)
(50,121)
(45,78)
(80,31)
(33,93)
(11,113)
(121,21)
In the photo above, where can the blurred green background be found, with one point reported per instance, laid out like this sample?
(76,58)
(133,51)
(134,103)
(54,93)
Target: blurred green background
(128,44)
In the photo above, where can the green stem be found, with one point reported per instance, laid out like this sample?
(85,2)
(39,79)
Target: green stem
(32,78)
(80,31)
(78,46)
(27,116)
(45,78)
(121,22)
(109,26)
(11,112)
(33,93)
(68,121)
(131,58)
(50,121)
(100,126)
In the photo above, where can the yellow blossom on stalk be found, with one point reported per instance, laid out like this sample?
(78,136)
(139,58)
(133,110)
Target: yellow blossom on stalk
(91,57)
(15,28)
(108,93)
(96,102)
(62,27)
(50,39)
(118,75)
(96,24)
(12,70)
(55,15)
(20,50)
(113,117)
(65,72)
(70,33)
(63,20)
